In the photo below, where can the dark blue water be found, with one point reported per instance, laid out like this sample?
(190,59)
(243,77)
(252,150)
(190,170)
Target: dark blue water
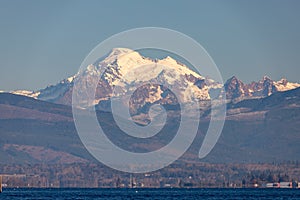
(164,194)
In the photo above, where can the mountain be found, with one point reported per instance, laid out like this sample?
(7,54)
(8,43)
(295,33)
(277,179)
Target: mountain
(262,122)
(256,130)
(236,89)
(126,68)
(265,129)
(34,131)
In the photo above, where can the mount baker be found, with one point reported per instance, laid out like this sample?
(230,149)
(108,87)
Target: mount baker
(123,70)
(262,119)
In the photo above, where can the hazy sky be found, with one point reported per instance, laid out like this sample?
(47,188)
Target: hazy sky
(43,42)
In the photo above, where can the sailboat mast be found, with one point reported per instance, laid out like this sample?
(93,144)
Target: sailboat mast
(131,182)
(0,183)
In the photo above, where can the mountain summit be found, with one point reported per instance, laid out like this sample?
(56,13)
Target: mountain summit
(125,68)
(236,89)
(261,119)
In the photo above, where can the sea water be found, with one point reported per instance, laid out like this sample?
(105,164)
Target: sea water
(164,194)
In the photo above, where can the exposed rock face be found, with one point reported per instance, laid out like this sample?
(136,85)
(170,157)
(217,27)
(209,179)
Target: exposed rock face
(164,81)
(235,88)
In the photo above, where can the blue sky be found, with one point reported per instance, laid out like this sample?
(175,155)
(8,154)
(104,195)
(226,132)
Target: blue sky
(43,42)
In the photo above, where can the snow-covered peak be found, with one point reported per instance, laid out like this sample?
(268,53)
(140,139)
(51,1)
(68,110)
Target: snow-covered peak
(70,79)
(282,81)
(265,87)
(175,65)
(128,59)
(233,79)
(132,60)
(92,70)
(265,78)
(169,59)
(125,66)
(116,53)
(284,85)
(26,93)
(119,51)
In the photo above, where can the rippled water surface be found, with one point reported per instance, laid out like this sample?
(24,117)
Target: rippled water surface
(164,194)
